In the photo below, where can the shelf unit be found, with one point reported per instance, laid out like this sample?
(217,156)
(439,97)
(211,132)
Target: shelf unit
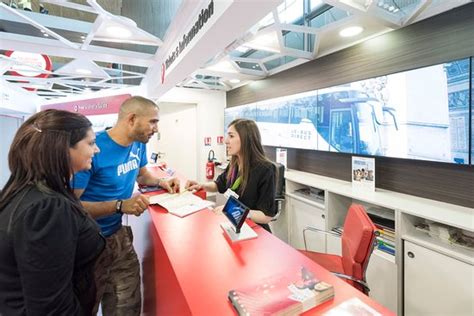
(385,273)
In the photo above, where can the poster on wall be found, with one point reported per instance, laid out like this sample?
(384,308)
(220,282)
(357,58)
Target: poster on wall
(363,173)
(421,114)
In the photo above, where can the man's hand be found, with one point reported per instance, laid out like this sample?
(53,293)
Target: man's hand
(192,186)
(171,185)
(136,205)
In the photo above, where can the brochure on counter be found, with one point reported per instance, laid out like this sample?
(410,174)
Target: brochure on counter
(181,204)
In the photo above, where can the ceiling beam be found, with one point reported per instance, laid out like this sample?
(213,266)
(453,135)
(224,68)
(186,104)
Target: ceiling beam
(55,48)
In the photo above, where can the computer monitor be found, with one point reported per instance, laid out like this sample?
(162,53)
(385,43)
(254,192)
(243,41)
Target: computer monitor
(236,212)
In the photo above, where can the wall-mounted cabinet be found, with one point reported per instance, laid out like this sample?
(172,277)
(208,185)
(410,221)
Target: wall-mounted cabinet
(399,218)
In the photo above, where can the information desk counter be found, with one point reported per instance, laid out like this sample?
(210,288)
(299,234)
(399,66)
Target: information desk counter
(192,266)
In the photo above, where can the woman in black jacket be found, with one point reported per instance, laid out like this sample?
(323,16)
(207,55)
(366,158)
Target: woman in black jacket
(249,174)
(48,243)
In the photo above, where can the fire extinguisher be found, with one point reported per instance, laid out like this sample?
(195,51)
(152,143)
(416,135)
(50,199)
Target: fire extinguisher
(210,165)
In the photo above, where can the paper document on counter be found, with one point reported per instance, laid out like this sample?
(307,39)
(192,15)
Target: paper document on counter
(180,204)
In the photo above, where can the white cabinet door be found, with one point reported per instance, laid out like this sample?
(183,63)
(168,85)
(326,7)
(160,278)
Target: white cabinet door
(382,279)
(302,215)
(435,284)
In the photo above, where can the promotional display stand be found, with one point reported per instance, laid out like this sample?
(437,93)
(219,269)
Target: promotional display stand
(246,232)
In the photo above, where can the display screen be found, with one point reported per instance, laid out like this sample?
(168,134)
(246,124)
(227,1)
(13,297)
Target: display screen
(420,114)
(236,212)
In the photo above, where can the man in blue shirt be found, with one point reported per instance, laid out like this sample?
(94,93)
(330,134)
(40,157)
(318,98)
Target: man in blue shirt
(106,192)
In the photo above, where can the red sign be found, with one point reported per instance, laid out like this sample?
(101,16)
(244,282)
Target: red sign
(27,60)
(207,141)
(96,106)
(220,140)
(163,71)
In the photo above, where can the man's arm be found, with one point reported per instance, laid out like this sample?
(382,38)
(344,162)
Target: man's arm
(145,177)
(133,206)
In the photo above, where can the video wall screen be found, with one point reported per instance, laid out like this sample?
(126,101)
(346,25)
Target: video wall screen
(418,114)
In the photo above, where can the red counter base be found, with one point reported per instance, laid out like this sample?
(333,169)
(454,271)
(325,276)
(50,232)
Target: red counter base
(194,266)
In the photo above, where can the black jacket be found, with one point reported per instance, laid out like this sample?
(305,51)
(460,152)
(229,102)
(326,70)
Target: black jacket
(47,251)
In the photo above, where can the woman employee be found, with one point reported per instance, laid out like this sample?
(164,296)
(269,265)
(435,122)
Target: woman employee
(48,243)
(249,174)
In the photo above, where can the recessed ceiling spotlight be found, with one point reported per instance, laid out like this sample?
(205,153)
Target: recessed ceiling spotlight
(83,71)
(351,31)
(45,35)
(235,80)
(118,31)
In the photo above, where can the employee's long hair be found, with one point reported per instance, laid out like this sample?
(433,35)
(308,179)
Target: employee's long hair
(251,151)
(39,154)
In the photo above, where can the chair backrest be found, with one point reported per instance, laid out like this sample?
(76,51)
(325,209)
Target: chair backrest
(357,242)
(279,181)
(279,188)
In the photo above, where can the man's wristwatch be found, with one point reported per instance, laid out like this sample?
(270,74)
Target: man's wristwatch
(118,206)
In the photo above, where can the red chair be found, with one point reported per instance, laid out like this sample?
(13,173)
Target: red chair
(358,240)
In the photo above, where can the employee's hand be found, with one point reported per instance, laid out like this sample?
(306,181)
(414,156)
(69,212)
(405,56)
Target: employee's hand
(192,185)
(218,210)
(171,185)
(136,205)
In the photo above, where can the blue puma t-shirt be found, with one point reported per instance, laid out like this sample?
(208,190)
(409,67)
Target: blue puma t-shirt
(112,176)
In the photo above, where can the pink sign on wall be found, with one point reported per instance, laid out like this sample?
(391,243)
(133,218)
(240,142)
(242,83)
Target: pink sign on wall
(96,106)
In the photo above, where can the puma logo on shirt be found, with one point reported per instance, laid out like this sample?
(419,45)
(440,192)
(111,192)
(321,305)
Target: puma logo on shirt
(132,155)
(130,165)
(127,167)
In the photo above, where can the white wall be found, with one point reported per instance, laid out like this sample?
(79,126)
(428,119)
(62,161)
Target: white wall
(8,128)
(17,100)
(210,107)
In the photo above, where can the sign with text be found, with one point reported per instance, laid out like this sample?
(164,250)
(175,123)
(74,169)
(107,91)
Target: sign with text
(201,20)
(220,140)
(207,141)
(281,155)
(96,106)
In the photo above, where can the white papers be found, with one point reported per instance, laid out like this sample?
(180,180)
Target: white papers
(351,307)
(180,204)
(281,156)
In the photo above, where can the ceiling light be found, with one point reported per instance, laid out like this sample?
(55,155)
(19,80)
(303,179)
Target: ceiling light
(45,35)
(118,31)
(235,80)
(351,31)
(242,49)
(83,71)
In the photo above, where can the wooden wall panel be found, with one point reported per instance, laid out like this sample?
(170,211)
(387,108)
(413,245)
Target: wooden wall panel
(442,38)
